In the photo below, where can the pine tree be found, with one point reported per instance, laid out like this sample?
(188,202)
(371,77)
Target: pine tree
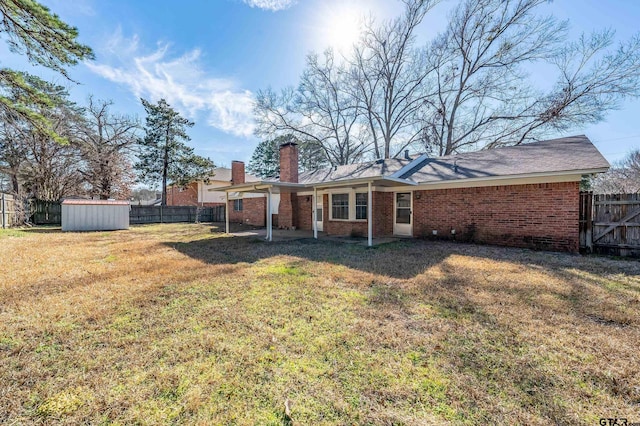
(265,161)
(32,30)
(163,153)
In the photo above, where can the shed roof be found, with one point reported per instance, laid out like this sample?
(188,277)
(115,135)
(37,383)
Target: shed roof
(95,202)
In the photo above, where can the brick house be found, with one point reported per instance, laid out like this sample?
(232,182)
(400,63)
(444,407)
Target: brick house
(245,207)
(523,196)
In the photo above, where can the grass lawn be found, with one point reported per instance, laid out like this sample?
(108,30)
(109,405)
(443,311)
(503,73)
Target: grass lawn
(178,324)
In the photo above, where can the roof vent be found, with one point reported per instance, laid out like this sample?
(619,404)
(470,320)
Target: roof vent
(406,155)
(455,166)
(380,161)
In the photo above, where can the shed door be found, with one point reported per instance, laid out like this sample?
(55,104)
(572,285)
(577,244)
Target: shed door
(402,217)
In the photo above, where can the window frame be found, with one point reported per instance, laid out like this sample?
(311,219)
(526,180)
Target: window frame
(238,205)
(365,205)
(352,206)
(348,205)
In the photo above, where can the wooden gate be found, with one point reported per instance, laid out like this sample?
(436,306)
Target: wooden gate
(8,215)
(610,223)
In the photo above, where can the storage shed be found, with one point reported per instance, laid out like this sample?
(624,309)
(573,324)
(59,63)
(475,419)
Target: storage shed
(95,215)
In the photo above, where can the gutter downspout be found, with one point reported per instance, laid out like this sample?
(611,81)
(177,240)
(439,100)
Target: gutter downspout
(369,216)
(315,212)
(226,211)
(269,217)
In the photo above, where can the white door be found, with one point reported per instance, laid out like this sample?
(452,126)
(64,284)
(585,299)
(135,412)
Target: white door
(402,215)
(319,214)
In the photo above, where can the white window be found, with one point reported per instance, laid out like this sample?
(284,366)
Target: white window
(351,206)
(237,205)
(340,206)
(361,205)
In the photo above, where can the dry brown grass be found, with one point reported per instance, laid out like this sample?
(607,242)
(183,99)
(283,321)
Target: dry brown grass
(178,324)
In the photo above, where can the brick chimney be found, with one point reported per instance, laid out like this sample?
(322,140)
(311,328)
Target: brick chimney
(288,208)
(289,162)
(237,172)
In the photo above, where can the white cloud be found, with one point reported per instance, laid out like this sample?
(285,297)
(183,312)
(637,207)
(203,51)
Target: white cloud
(270,4)
(181,80)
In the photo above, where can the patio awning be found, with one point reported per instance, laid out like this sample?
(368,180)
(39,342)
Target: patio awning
(276,187)
(261,187)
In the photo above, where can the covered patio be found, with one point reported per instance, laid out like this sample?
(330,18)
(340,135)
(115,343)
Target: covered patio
(270,188)
(282,235)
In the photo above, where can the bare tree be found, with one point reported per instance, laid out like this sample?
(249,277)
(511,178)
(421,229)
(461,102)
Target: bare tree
(12,150)
(321,109)
(106,141)
(468,89)
(51,171)
(34,159)
(390,79)
(484,97)
(622,178)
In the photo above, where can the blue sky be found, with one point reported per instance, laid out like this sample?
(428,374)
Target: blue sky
(209,57)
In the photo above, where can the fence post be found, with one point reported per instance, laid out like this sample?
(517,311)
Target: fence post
(4,211)
(160,213)
(589,227)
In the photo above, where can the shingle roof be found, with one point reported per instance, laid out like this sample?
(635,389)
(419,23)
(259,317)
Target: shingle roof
(223,174)
(373,169)
(575,153)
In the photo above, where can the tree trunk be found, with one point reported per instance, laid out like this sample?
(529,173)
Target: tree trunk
(165,168)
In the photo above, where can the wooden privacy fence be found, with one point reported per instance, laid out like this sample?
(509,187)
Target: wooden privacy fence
(8,216)
(175,214)
(45,212)
(610,223)
(50,213)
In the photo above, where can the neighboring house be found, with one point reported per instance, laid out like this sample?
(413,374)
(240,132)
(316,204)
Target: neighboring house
(525,196)
(201,193)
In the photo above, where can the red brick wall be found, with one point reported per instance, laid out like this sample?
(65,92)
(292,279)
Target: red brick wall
(382,207)
(382,213)
(288,205)
(187,196)
(343,227)
(542,216)
(305,212)
(253,212)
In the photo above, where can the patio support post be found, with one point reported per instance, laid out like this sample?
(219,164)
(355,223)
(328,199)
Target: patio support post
(370,216)
(314,209)
(226,211)
(269,217)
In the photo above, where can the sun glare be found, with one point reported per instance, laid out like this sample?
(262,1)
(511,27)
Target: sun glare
(341,26)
